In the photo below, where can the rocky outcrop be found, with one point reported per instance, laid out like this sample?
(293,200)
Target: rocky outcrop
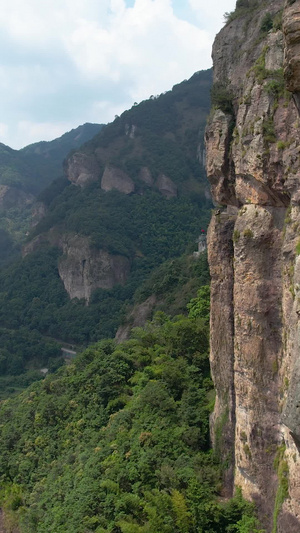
(137,318)
(166,186)
(146,176)
(82,169)
(38,212)
(291,29)
(115,178)
(253,244)
(11,197)
(84,269)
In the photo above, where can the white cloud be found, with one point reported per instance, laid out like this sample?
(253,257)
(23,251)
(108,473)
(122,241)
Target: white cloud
(146,45)
(211,13)
(60,58)
(42,131)
(3,129)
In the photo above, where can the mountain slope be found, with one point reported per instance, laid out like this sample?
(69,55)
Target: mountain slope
(115,219)
(119,440)
(35,166)
(45,158)
(23,174)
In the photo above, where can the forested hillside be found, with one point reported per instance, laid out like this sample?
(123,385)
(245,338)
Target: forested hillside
(23,175)
(97,244)
(118,441)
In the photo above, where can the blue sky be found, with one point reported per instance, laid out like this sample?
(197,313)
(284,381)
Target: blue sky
(66,62)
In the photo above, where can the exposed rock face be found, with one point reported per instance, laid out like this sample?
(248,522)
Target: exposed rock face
(82,169)
(13,197)
(137,318)
(291,28)
(166,186)
(146,176)
(115,178)
(254,170)
(38,212)
(34,244)
(83,269)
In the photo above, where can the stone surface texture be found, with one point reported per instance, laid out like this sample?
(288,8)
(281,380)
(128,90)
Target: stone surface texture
(11,197)
(166,186)
(82,169)
(84,269)
(137,318)
(115,178)
(252,157)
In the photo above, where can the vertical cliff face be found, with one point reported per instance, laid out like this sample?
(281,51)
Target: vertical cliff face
(252,142)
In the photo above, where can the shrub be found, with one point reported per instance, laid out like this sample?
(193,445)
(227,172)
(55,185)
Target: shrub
(221,97)
(266,23)
(248,233)
(269,130)
(236,235)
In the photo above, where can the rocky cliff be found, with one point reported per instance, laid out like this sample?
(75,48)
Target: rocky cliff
(84,269)
(252,142)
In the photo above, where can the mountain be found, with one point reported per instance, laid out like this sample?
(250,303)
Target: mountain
(34,167)
(45,158)
(119,440)
(133,197)
(253,244)
(23,174)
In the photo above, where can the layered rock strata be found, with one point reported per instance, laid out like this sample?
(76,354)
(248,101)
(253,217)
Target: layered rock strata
(252,143)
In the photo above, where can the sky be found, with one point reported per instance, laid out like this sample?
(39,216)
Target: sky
(67,62)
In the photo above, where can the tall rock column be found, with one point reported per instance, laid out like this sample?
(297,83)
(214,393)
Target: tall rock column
(252,142)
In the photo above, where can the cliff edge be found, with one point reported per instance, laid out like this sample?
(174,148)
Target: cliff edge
(252,141)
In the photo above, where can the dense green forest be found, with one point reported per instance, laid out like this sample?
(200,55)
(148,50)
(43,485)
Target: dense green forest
(33,295)
(152,231)
(23,175)
(118,441)
(163,133)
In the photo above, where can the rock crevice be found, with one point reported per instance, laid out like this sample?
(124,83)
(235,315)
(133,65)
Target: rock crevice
(253,246)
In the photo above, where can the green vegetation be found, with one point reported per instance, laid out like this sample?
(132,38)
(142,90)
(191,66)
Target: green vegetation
(126,224)
(147,228)
(119,440)
(17,347)
(282,470)
(34,167)
(268,130)
(242,8)
(175,282)
(236,235)
(222,97)
(266,23)
(276,86)
(259,67)
(281,145)
(248,233)
(272,80)
(29,171)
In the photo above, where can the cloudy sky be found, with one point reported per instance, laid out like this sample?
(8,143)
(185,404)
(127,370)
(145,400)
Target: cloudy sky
(66,62)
